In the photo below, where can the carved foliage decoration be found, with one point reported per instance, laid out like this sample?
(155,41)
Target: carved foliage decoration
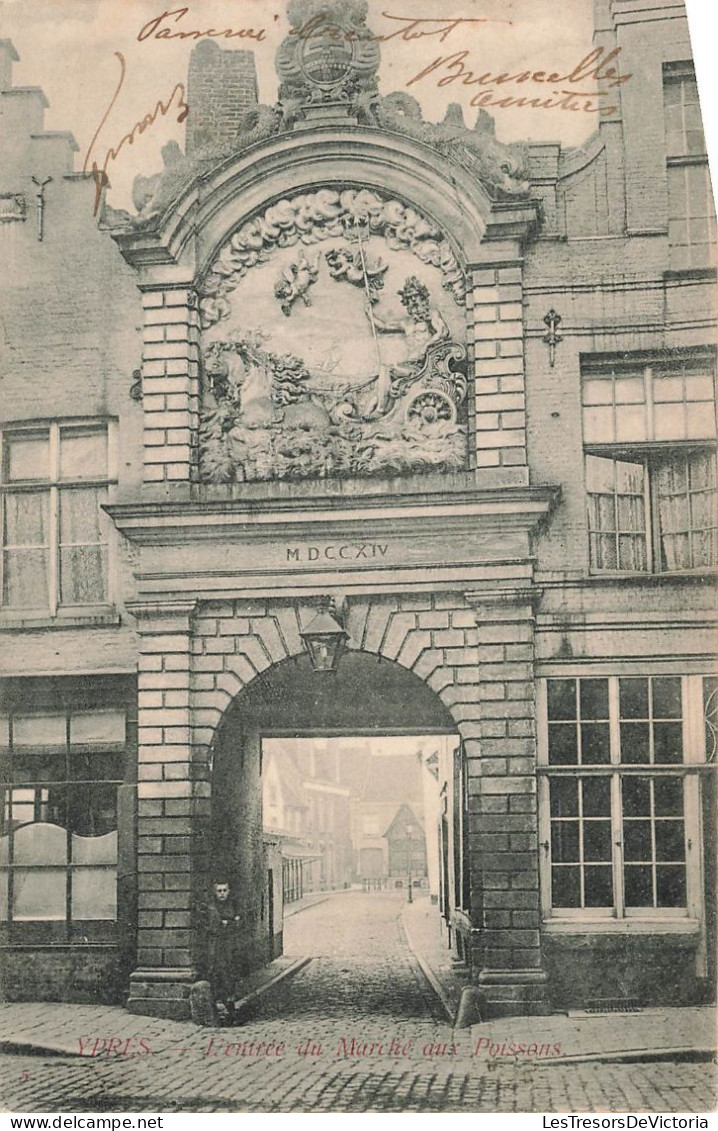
(311,218)
(501,168)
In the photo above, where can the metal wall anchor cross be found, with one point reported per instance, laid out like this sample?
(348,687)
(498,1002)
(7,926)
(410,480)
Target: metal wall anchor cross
(551,337)
(40,197)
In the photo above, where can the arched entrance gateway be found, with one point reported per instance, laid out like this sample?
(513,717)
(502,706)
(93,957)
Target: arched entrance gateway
(333,396)
(367,695)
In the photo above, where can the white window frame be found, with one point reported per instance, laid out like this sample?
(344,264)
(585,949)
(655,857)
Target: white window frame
(649,459)
(646,450)
(676,75)
(53,484)
(68,869)
(694,756)
(649,371)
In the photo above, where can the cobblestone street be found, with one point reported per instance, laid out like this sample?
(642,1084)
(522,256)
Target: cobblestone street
(362,971)
(358,1029)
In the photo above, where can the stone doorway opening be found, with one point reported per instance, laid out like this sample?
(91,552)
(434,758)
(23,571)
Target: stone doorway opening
(306,769)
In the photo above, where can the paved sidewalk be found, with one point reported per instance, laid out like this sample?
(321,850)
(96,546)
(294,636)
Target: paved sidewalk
(428,939)
(650,1034)
(358,1028)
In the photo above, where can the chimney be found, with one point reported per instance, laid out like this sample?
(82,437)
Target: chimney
(8,56)
(221,88)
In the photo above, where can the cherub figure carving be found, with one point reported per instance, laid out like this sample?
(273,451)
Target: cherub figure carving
(363,271)
(295,281)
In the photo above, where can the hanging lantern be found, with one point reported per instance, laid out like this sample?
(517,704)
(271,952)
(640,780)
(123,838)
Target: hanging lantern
(325,638)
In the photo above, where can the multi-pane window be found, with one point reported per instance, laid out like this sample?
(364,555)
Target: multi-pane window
(691,216)
(53,481)
(684,128)
(650,472)
(669,398)
(60,772)
(652,513)
(618,783)
(691,209)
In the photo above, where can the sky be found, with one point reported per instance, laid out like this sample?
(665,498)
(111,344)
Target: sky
(68,47)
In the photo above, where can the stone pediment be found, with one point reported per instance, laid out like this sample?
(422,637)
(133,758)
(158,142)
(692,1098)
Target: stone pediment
(502,170)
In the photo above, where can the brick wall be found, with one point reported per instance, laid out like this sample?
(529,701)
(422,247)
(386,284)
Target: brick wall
(73,973)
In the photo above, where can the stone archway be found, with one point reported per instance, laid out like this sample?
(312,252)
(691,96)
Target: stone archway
(367,694)
(474,654)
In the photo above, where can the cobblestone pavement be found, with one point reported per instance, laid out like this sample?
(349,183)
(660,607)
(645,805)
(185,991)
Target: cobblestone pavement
(356,1030)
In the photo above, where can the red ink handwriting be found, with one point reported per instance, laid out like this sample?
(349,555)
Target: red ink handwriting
(322,27)
(154,29)
(99,172)
(424,28)
(454,68)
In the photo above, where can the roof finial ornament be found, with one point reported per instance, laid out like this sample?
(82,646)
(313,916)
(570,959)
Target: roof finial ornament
(327,65)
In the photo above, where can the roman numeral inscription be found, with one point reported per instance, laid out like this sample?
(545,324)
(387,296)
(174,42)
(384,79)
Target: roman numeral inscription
(347,552)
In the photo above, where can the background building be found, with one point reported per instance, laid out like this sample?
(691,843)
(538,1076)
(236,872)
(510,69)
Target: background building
(305,802)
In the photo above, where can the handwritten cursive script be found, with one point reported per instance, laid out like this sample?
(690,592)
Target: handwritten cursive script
(153,29)
(321,26)
(594,67)
(426,27)
(99,172)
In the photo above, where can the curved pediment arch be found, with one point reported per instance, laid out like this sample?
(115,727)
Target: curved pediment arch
(187,230)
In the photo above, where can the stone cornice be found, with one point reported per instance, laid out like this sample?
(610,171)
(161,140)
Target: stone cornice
(505,602)
(305,515)
(166,617)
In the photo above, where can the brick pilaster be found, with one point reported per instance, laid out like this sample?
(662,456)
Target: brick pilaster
(499,395)
(503,821)
(170,384)
(173,812)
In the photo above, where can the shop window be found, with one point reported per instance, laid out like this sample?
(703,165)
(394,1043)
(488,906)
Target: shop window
(691,210)
(619,789)
(649,435)
(54,479)
(58,833)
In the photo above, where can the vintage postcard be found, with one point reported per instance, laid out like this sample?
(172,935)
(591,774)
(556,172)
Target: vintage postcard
(358,545)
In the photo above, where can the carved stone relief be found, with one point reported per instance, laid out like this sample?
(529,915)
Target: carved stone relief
(330,57)
(311,218)
(315,362)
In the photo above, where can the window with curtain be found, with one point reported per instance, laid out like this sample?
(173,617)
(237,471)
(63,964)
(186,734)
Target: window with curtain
(58,827)
(691,208)
(649,437)
(619,784)
(54,480)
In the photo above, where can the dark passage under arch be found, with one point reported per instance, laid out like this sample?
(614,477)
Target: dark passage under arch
(367,695)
